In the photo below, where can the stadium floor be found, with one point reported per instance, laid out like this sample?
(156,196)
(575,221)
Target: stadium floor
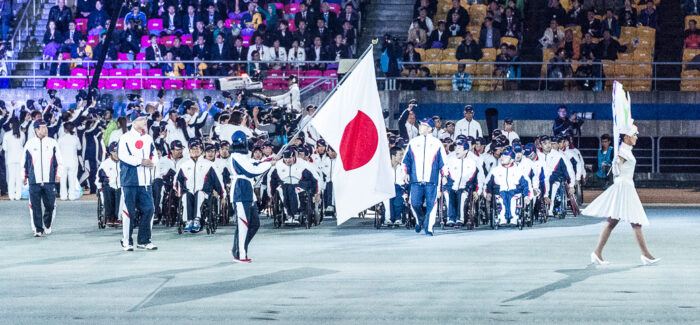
(351,274)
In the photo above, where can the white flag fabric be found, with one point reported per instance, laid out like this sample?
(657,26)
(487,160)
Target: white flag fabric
(352,123)
(622,117)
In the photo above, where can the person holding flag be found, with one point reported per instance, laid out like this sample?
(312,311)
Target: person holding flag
(424,162)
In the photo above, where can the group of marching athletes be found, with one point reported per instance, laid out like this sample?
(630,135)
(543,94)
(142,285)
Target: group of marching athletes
(453,163)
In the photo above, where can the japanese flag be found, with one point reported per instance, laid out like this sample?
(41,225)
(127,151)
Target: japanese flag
(351,122)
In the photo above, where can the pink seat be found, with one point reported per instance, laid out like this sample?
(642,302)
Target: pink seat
(104,73)
(271,84)
(334,7)
(66,56)
(74,83)
(144,41)
(79,72)
(231,22)
(120,24)
(93,40)
(55,84)
(167,41)
(81,24)
(192,83)
(141,57)
(208,84)
(313,73)
(187,40)
(118,73)
(292,8)
(114,84)
(133,84)
(122,56)
(153,84)
(279,6)
(292,25)
(330,73)
(138,72)
(155,24)
(155,72)
(173,84)
(245,42)
(100,83)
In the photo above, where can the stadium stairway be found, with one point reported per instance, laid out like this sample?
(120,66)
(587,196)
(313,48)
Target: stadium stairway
(669,44)
(385,16)
(32,49)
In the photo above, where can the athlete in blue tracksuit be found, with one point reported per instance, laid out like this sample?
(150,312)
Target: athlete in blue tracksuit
(136,159)
(242,196)
(424,162)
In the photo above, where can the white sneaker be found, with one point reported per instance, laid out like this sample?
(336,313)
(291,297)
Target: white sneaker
(37,234)
(398,222)
(127,248)
(148,246)
(387,222)
(47,231)
(513,221)
(501,222)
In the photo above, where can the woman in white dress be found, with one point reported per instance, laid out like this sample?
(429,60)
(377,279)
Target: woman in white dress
(13,145)
(69,145)
(621,202)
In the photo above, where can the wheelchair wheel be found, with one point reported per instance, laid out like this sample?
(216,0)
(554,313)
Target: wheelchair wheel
(277,211)
(530,214)
(492,214)
(521,219)
(180,224)
(563,206)
(101,217)
(309,211)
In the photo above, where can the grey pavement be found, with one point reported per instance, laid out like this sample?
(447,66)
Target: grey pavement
(353,274)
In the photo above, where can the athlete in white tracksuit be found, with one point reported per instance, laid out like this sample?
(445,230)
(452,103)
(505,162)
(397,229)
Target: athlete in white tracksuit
(13,145)
(557,170)
(70,145)
(507,182)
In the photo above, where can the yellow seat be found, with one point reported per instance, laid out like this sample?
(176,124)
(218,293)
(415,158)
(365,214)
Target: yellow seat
(510,41)
(432,55)
(434,69)
(627,34)
(625,57)
(646,32)
(547,55)
(454,41)
(475,31)
(469,66)
(689,54)
(576,30)
(640,55)
(645,43)
(448,68)
(608,67)
(444,84)
(642,70)
(488,54)
(688,18)
(420,51)
(449,55)
(485,69)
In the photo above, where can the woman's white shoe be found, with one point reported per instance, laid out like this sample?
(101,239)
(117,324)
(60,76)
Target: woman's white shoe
(647,261)
(597,261)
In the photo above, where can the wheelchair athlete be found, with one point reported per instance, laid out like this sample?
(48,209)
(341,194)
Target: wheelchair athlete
(326,164)
(508,184)
(396,204)
(557,171)
(109,187)
(464,177)
(289,179)
(224,167)
(196,180)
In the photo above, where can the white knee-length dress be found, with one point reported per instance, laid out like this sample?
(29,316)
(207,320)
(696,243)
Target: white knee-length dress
(620,201)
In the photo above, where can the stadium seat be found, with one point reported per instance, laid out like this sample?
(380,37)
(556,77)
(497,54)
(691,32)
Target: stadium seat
(192,84)
(187,40)
(118,73)
(291,8)
(454,41)
(93,40)
(74,83)
(144,42)
(133,84)
(155,25)
(334,7)
(167,41)
(120,24)
(624,57)
(576,30)
(449,55)
(270,84)
(688,18)
(114,84)
(475,31)
(153,84)
(79,72)
(141,57)
(208,84)
(173,84)
(55,84)
(646,32)
(330,83)
(444,84)
(122,56)
(510,41)
(640,55)
(292,25)
(137,72)
(689,54)
(279,6)
(488,53)
(469,66)
(421,52)
(477,13)
(81,24)
(230,22)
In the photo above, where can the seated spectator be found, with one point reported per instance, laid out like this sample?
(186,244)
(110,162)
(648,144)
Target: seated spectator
(60,67)
(628,15)
(183,53)
(648,17)
(189,20)
(429,5)
(303,15)
(495,11)
(463,16)
(171,21)
(338,50)
(510,26)
(130,39)
(354,19)
(221,29)
(267,38)
(252,18)
(135,14)
(461,81)
(201,30)
(217,53)
(158,8)
(5,17)
(255,68)
(692,7)
(514,69)
(103,47)
(272,17)
(556,12)
(284,35)
(325,33)
(589,74)
(608,47)
(552,36)
(330,18)
(410,55)
(211,16)
(502,58)
(490,37)
(84,8)
(296,54)
(557,71)
(349,35)
(692,35)
(417,35)
(587,48)
(424,22)
(258,47)
(172,69)
(591,25)
(200,52)
(426,83)
(154,52)
(455,29)
(611,24)
(439,38)
(317,53)
(571,45)
(468,49)
(71,36)
(410,83)
(576,15)
(52,41)
(604,160)
(278,54)
(60,14)
(81,51)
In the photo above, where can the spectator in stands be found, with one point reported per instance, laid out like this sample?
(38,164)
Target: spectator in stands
(468,49)
(97,19)
(571,46)
(558,70)
(424,22)
(303,35)
(271,15)
(352,16)
(266,37)
(313,5)
(211,16)
(85,7)
(461,81)
(426,83)
(183,53)
(330,19)
(608,47)
(490,37)
(592,25)
(338,50)
(72,36)
(60,67)
(692,7)
(259,47)
(284,35)
(221,29)
(217,53)
(201,30)
(102,47)
(611,24)
(135,14)
(5,17)
(130,39)
(587,48)
(200,52)
(648,17)
(417,35)
(317,53)
(52,41)
(514,69)
(61,15)
(158,8)
(429,5)
(589,73)
(304,15)
(172,69)
(556,12)
(171,21)
(323,32)
(692,35)
(455,29)
(502,58)
(439,38)
(510,26)
(189,21)
(565,124)
(278,54)
(410,55)
(296,54)
(411,83)
(255,68)
(349,35)
(81,51)
(628,15)
(463,14)
(576,15)
(552,36)
(251,18)
(604,160)
(154,52)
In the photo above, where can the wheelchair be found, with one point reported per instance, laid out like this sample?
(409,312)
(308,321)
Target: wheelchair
(496,210)
(170,206)
(561,201)
(101,216)
(470,209)
(210,214)
(309,211)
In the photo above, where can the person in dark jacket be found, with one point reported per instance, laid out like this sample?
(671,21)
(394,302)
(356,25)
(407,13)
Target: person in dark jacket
(564,124)
(439,35)
(61,14)
(463,14)
(469,49)
(628,15)
(608,47)
(98,17)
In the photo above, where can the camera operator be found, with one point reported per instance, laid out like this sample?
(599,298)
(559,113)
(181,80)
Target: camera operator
(292,98)
(564,124)
(394,52)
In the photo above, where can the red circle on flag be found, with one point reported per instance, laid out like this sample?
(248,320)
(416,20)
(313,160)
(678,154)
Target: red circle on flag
(359,143)
(139,144)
